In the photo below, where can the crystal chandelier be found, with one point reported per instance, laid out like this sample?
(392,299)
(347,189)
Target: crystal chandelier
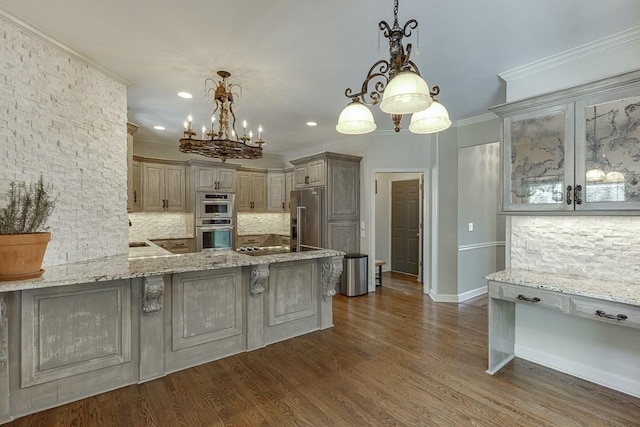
(225,143)
(395,84)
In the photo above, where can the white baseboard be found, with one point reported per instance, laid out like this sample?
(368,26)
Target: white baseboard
(458,298)
(625,385)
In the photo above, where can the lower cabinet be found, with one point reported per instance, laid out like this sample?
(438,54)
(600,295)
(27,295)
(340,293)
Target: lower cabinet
(69,342)
(203,317)
(344,236)
(291,300)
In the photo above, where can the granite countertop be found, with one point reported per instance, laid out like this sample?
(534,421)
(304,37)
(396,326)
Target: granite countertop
(628,293)
(122,267)
(147,251)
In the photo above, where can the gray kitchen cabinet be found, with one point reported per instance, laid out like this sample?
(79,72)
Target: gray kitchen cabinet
(215,178)
(276,191)
(252,191)
(340,176)
(288,187)
(135,191)
(344,236)
(70,342)
(309,173)
(577,149)
(343,189)
(204,312)
(164,187)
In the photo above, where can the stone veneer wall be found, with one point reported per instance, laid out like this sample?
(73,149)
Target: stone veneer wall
(160,225)
(600,247)
(263,223)
(64,118)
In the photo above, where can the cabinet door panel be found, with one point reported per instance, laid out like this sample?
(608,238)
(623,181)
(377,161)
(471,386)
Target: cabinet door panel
(136,193)
(205,179)
(243,195)
(226,180)
(539,160)
(175,188)
(288,187)
(343,190)
(316,172)
(608,151)
(153,182)
(300,176)
(344,236)
(259,191)
(276,192)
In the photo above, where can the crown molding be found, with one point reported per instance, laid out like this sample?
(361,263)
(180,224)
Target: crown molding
(132,128)
(23,26)
(591,48)
(475,119)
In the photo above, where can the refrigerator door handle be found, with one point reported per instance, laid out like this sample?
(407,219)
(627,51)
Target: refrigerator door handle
(299,225)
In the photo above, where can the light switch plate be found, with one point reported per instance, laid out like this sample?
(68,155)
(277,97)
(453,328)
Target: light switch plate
(470,226)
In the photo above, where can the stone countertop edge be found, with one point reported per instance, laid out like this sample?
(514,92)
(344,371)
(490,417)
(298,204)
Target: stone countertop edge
(121,267)
(607,290)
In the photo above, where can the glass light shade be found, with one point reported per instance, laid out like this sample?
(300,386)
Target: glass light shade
(595,175)
(355,119)
(614,177)
(406,93)
(433,119)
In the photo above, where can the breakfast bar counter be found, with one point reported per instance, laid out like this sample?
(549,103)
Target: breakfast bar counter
(88,327)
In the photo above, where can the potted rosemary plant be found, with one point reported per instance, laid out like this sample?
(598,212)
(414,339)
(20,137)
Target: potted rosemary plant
(23,236)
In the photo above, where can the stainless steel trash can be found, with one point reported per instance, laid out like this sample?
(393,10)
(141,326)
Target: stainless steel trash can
(355,275)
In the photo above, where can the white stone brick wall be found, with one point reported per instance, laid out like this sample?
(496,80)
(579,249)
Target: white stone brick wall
(263,223)
(160,225)
(601,247)
(64,118)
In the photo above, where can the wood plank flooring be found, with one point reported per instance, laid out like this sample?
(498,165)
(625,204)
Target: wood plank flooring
(394,358)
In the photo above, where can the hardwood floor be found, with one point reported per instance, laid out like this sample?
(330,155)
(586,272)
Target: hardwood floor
(393,358)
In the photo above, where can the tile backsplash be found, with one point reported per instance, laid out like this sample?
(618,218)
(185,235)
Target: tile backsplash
(263,223)
(160,225)
(596,246)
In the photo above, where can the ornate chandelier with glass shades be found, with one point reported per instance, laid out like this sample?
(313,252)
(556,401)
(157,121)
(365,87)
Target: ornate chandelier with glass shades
(395,84)
(224,143)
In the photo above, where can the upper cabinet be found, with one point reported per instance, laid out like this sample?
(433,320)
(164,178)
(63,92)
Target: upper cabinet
(309,173)
(214,178)
(279,186)
(573,150)
(164,187)
(252,191)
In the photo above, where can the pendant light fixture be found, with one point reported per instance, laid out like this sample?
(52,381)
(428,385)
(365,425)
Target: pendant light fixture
(397,86)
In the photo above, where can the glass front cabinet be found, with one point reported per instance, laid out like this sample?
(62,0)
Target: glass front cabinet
(573,150)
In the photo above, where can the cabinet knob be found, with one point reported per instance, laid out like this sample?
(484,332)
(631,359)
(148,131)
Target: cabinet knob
(306,179)
(569,188)
(135,197)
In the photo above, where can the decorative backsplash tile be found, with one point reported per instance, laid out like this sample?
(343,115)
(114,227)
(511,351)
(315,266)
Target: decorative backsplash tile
(160,225)
(606,248)
(263,223)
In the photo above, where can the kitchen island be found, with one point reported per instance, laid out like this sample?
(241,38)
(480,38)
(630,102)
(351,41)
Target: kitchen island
(88,327)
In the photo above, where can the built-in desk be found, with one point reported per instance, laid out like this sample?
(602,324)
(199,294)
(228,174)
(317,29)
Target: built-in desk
(603,301)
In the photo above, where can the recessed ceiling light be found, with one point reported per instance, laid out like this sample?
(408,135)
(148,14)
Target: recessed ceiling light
(185,95)
(312,124)
(158,127)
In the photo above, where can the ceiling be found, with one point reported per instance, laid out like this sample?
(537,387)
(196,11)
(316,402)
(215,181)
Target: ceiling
(294,59)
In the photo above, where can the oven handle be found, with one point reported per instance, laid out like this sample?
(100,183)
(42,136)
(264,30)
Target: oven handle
(214,228)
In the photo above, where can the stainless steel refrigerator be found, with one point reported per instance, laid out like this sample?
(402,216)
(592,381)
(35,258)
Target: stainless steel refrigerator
(307,219)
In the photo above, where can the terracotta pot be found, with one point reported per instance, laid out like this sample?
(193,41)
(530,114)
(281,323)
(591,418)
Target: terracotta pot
(21,255)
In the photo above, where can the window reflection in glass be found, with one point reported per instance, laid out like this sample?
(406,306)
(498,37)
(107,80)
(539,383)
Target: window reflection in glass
(612,170)
(537,159)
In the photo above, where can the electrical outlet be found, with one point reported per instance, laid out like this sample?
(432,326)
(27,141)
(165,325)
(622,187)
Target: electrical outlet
(470,226)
